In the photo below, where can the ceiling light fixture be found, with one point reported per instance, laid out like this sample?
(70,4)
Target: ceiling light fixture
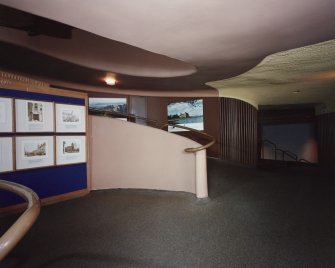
(110,81)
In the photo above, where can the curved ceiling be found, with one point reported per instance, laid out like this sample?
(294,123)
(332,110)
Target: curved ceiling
(217,39)
(296,76)
(197,31)
(89,50)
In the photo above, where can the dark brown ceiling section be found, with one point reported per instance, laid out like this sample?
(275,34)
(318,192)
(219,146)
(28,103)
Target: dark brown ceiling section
(25,61)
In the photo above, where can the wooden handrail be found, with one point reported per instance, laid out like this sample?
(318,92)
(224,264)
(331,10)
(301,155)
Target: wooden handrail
(22,225)
(125,115)
(193,150)
(188,150)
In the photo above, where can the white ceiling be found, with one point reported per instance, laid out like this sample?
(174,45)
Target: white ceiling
(212,39)
(297,76)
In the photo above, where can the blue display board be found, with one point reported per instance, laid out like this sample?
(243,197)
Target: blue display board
(48,181)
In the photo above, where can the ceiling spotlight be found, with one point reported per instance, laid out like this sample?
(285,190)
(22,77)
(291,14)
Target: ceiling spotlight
(110,81)
(296,91)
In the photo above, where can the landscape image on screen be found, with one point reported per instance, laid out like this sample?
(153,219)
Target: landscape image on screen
(188,114)
(109,104)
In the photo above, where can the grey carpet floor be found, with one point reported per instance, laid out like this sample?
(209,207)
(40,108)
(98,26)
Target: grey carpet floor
(254,218)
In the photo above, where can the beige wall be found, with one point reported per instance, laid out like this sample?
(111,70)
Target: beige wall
(157,110)
(127,155)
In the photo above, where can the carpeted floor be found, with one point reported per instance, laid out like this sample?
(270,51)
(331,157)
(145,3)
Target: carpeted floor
(255,218)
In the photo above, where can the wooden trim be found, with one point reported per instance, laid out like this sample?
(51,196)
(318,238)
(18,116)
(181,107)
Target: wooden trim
(47,201)
(88,148)
(89,151)
(13,116)
(45,90)
(14,153)
(63,197)
(7,78)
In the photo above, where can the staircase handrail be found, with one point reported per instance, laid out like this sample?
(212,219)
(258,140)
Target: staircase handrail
(270,142)
(304,160)
(22,225)
(188,150)
(273,145)
(125,115)
(196,149)
(291,154)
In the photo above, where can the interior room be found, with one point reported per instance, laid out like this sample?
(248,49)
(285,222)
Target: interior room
(167,133)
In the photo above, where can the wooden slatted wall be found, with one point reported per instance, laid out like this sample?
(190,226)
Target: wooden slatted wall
(326,139)
(238,131)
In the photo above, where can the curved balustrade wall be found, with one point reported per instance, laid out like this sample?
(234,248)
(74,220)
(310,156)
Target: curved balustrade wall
(127,155)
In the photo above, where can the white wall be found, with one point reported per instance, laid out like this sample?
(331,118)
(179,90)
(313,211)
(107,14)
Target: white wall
(128,155)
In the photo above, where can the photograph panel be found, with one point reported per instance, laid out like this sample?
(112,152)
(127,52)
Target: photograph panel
(109,104)
(34,116)
(35,112)
(6,115)
(34,152)
(70,149)
(189,114)
(35,149)
(6,154)
(70,118)
(71,146)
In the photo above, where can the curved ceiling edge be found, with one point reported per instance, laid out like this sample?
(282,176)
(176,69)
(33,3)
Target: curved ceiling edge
(134,92)
(89,50)
(296,76)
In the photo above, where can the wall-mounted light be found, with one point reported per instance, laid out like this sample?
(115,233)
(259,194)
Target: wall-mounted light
(110,80)
(296,91)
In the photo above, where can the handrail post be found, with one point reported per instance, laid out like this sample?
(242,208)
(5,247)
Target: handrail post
(201,187)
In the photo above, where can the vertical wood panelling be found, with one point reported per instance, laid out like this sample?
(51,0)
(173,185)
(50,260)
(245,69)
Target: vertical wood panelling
(238,131)
(326,139)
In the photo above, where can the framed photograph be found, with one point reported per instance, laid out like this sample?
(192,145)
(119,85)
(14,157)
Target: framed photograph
(70,118)
(188,114)
(34,116)
(33,152)
(70,149)
(6,154)
(6,115)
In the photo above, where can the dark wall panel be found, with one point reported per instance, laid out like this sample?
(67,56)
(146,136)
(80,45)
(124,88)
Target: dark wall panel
(326,139)
(238,131)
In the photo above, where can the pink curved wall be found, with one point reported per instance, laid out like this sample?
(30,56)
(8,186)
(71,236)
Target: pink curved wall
(127,155)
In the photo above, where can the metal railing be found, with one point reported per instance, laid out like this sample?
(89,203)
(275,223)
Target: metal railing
(284,153)
(22,225)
